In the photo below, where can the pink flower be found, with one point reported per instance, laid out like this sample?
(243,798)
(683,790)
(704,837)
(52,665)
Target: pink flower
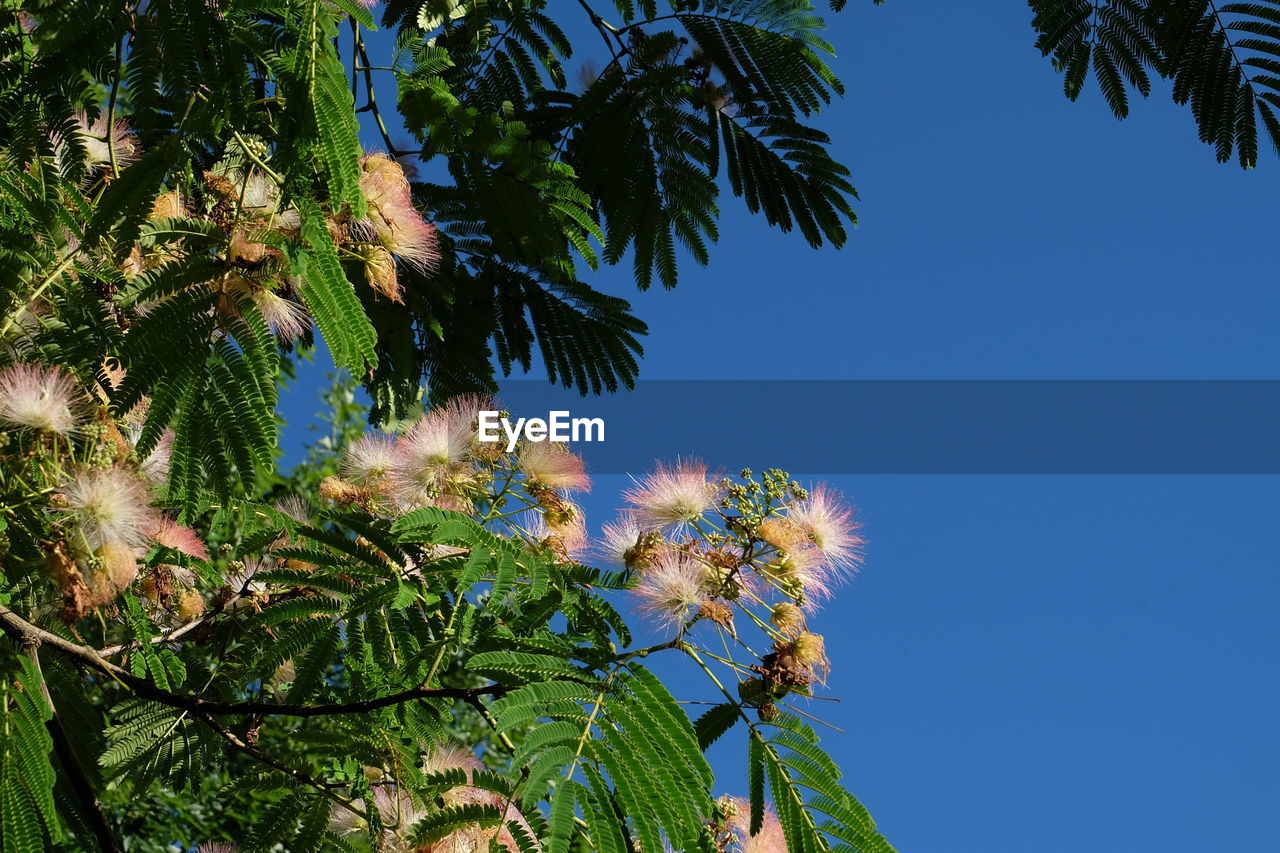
(673,496)
(109,505)
(117,567)
(39,397)
(286,318)
(566,532)
(181,538)
(296,507)
(398,811)
(672,588)
(463,413)
(98,143)
(770,838)
(156,466)
(217,847)
(553,465)
(802,573)
(369,459)
(392,219)
(828,522)
(431,457)
(619,540)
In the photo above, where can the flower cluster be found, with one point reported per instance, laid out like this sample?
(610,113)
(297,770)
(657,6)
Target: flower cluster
(706,549)
(439,461)
(100,494)
(399,811)
(236,214)
(706,553)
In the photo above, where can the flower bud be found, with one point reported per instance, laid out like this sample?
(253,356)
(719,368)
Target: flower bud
(340,491)
(781,534)
(787,618)
(190,605)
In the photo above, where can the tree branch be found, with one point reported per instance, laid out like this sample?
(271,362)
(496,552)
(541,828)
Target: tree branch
(28,635)
(74,771)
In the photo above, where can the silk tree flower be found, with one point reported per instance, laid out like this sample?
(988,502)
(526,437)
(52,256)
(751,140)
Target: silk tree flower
(41,398)
(240,581)
(392,219)
(564,532)
(787,618)
(626,543)
(168,206)
(801,574)
(472,839)
(217,847)
(398,811)
(98,142)
(380,270)
(116,568)
(672,496)
(259,195)
(156,466)
(810,652)
(288,319)
(463,414)
(828,522)
(672,588)
(770,838)
(553,465)
(782,533)
(368,460)
(295,507)
(431,460)
(619,540)
(180,538)
(109,506)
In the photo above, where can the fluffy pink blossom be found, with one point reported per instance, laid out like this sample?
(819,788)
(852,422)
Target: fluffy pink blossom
(156,466)
(398,811)
(217,847)
(259,195)
(241,581)
(116,568)
(805,568)
(828,521)
(287,319)
(181,538)
(392,219)
(430,458)
(554,465)
(369,459)
(109,505)
(296,507)
(673,495)
(39,397)
(569,535)
(672,587)
(619,538)
(98,142)
(770,838)
(463,412)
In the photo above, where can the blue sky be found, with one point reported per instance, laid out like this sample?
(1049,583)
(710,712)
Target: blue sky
(1026,663)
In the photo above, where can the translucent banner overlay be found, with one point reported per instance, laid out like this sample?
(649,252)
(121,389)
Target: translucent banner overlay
(928,426)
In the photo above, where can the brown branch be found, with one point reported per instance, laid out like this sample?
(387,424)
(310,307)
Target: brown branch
(175,633)
(74,771)
(27,635)
(236,742)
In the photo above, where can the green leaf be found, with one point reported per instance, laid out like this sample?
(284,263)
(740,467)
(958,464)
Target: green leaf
(330,297)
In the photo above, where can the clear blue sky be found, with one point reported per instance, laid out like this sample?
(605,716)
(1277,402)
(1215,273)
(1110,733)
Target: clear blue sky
(1027,663)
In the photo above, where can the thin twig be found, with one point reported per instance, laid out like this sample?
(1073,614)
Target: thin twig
(25,633)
